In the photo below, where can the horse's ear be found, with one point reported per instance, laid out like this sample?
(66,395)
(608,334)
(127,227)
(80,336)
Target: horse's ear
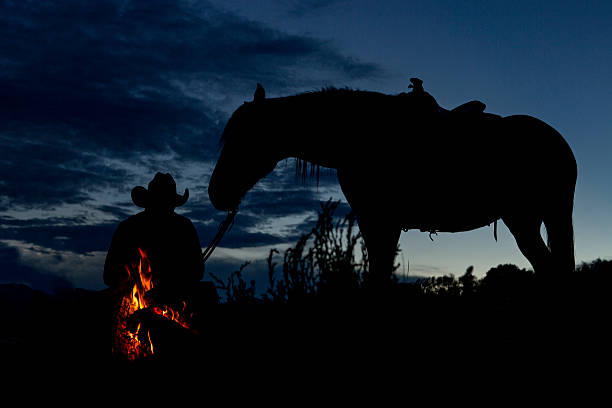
(260,93)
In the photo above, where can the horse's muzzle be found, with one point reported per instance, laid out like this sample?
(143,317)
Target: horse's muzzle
(221,200)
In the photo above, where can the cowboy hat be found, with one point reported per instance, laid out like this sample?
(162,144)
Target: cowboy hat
(161,192)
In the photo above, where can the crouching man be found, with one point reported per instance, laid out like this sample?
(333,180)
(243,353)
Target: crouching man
(169,240)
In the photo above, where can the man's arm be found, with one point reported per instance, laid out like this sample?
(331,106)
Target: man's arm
(114,265)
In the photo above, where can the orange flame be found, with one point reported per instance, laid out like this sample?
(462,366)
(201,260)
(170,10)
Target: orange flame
(136,343)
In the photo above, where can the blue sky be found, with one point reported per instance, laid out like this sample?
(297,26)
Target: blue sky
(98,96)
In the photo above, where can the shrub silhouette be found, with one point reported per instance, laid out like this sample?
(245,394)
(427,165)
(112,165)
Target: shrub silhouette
(323,263)
(236,289)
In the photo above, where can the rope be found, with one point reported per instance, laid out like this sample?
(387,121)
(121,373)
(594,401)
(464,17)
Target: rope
(223,228)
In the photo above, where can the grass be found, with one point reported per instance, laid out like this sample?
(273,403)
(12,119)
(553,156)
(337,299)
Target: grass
(331,260)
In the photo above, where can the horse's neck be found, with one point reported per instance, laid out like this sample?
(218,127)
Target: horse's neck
(315,135)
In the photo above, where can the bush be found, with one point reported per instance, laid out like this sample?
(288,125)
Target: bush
(236,289)
(322,263)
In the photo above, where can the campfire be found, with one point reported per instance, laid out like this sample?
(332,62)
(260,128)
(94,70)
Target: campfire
(132,337)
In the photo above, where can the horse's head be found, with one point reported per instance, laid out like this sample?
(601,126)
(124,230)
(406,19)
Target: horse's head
(248,154)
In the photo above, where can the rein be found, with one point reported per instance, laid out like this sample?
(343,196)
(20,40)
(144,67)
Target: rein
(223,228)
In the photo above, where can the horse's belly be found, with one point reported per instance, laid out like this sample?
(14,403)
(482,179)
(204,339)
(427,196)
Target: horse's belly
(443,223)
(451,214)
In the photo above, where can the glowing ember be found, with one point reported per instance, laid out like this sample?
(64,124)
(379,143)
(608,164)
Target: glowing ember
(135,342)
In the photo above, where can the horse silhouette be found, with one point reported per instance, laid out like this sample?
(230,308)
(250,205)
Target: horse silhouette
(404,163)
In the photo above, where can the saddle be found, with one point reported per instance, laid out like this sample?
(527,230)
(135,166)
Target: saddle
(427,100)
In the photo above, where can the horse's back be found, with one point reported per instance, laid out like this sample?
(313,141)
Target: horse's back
(545,153)
(482,151)
(539,137)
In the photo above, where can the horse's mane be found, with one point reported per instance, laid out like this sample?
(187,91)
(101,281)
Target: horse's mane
(300,100)
(305,170)
(302,173)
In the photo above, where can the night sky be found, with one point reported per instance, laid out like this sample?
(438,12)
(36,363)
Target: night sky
(97,96)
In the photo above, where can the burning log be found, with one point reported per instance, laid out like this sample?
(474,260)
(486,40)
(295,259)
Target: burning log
(139,315)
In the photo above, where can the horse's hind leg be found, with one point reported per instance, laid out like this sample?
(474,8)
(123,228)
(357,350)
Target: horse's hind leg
(560,230)
(526,231)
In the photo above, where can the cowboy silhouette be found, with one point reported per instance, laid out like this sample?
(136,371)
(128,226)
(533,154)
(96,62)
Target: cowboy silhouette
(170,241)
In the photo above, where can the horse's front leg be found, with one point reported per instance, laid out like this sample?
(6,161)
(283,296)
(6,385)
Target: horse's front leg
(381,242)
(379,229)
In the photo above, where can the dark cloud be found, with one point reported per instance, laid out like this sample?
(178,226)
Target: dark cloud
(300,8)
(83,239)
(37,173)
(288,201)
(79,239)
(243,232)
(120,213)
(13,270)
